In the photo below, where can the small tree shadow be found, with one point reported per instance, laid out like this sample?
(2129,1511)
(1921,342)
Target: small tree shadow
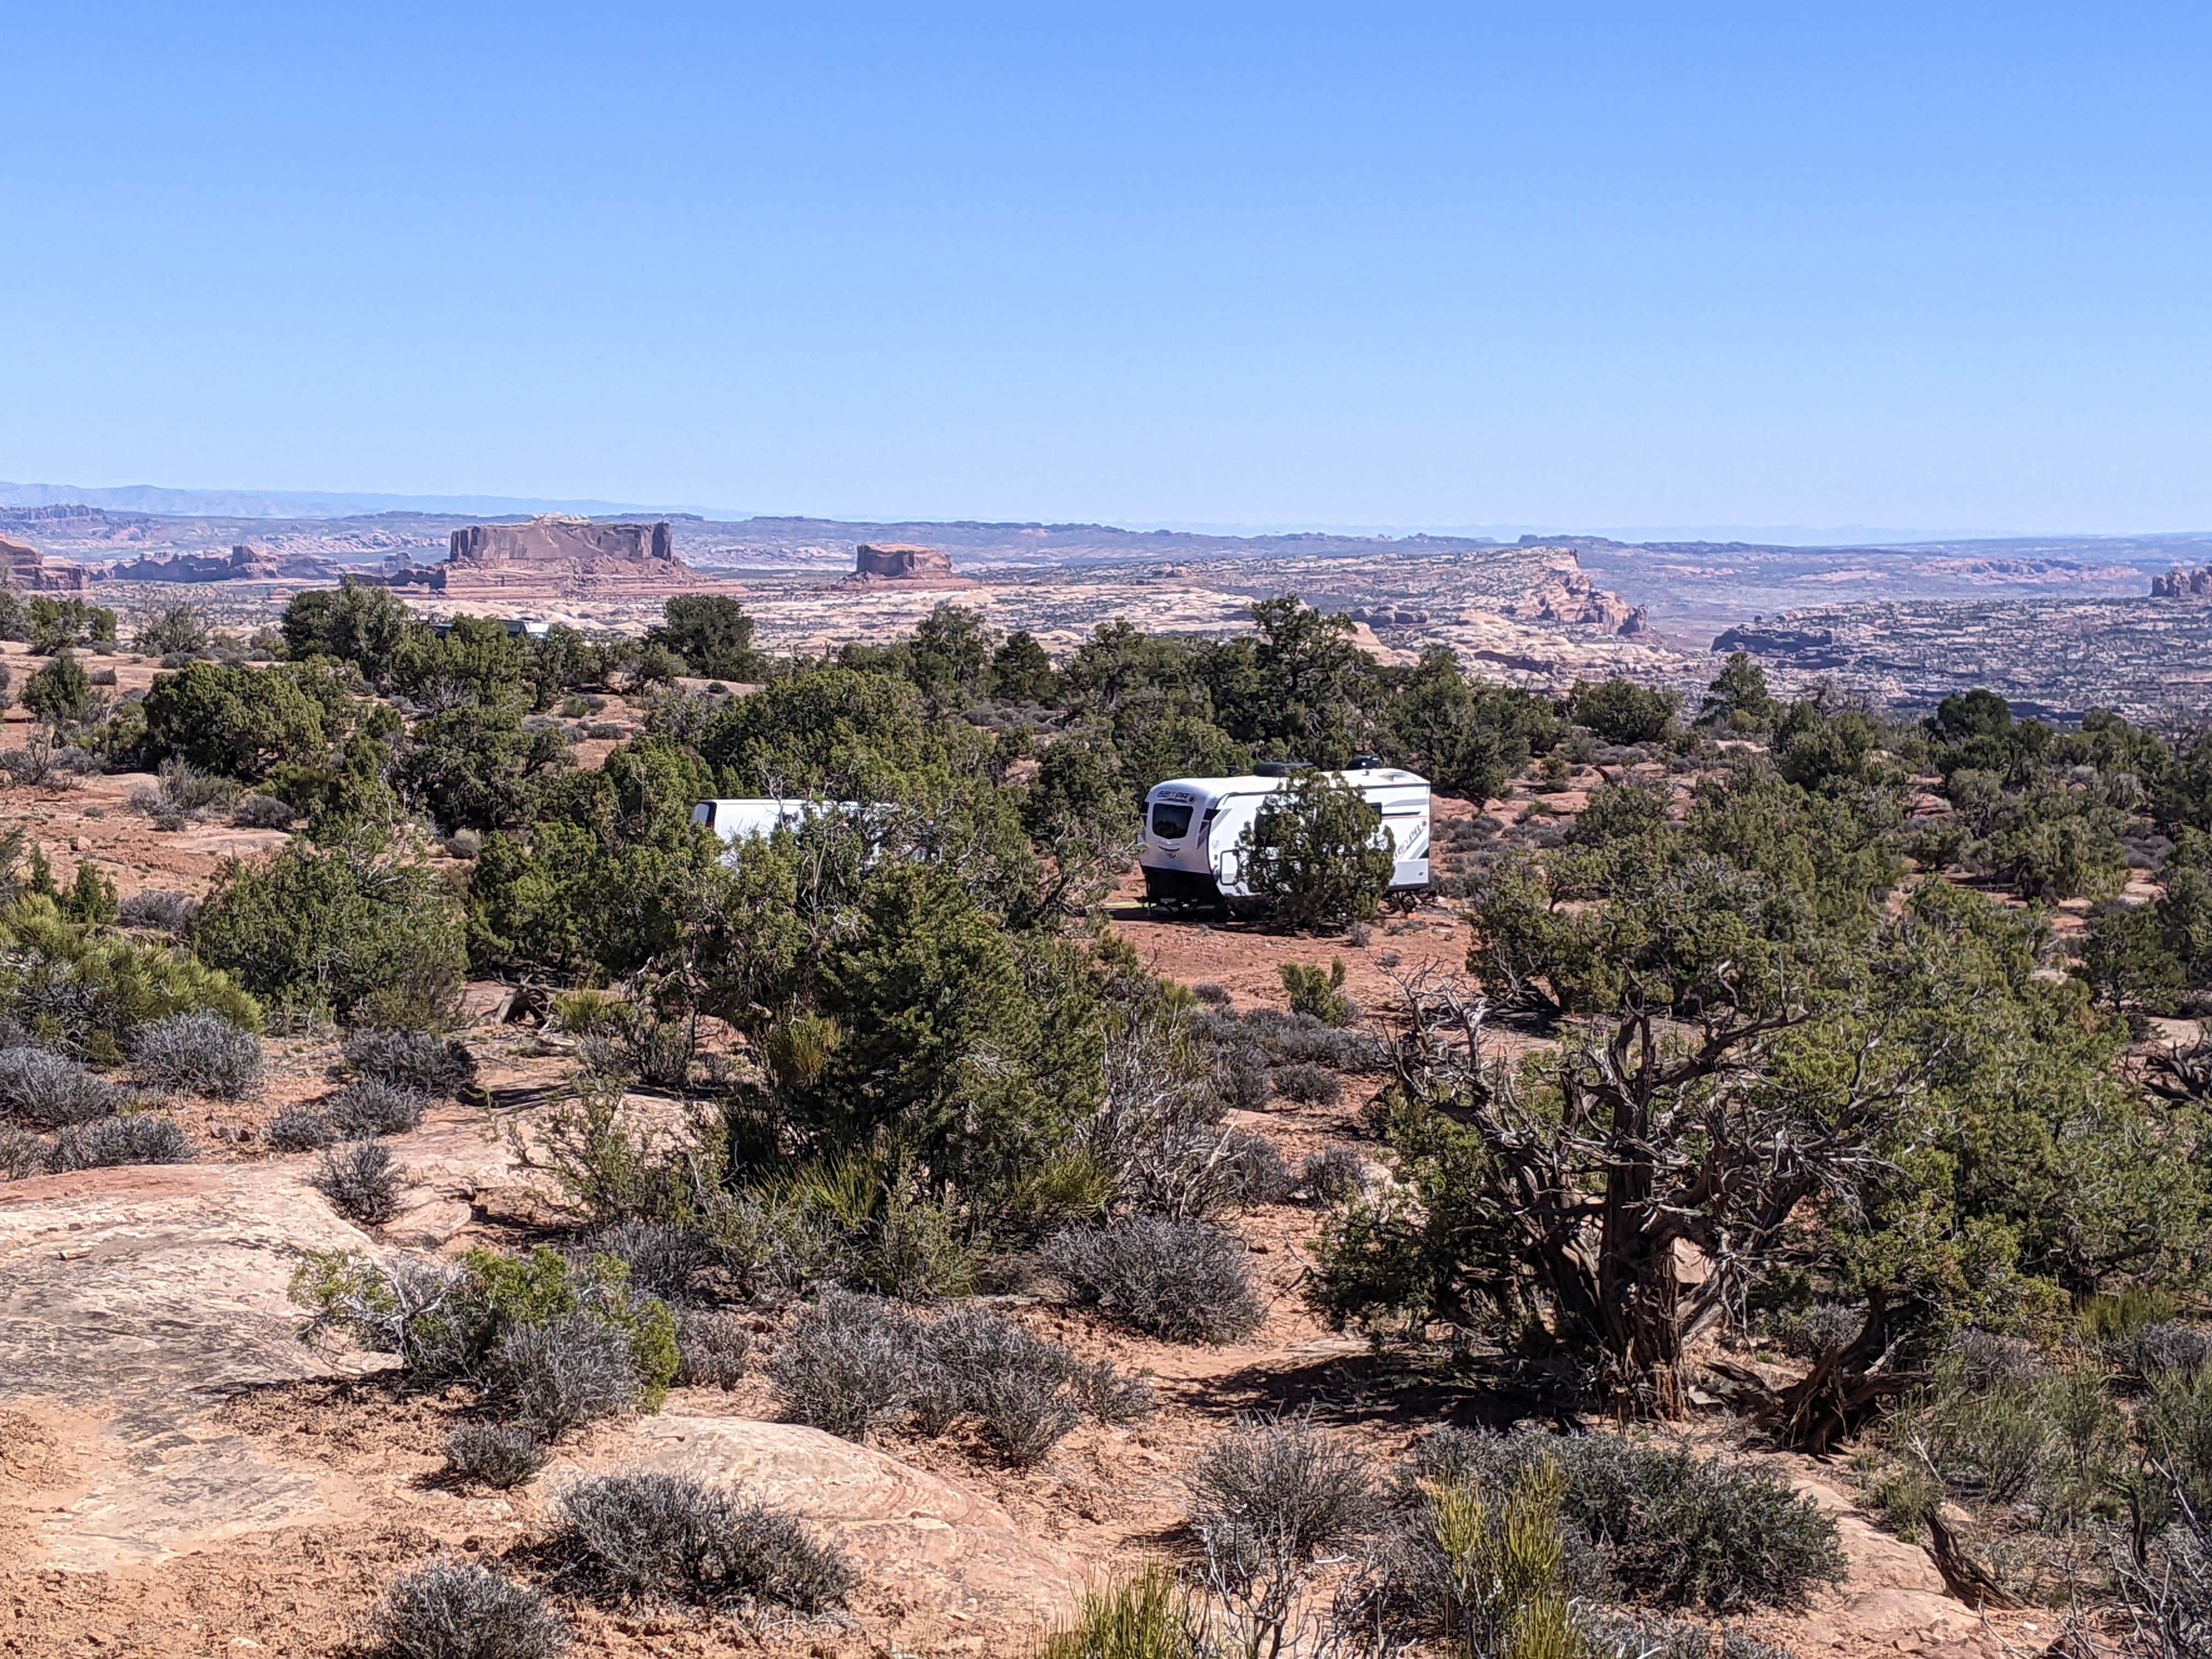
(1368,1389)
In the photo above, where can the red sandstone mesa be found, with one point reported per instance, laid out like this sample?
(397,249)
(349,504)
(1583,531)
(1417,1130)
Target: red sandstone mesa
(560,557)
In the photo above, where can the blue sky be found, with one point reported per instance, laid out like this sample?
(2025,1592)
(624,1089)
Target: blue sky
(1941,267)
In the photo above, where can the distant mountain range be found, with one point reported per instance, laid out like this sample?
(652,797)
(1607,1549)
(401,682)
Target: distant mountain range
(313,504)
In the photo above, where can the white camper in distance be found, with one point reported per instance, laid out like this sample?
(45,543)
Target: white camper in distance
(1191,846)
(734,820)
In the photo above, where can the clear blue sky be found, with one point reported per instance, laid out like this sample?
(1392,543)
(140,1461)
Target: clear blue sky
(1937,266)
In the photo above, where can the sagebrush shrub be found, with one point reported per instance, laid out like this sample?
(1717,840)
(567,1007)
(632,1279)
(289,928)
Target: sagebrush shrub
(711,1347)
(1282,1488)
(140,1137)
(1988,1440)
(22,1154)
(1257,1172)
(1335,1176)
(52,1090)
(373,1107)
(263,812)
(653,1053)
(419,1060)
(562,1374)
(1308,1085)
(1295,1039)
(199,1054)
(183,795)
(855,1364)
(159,912)
(2157,1350)
(448,1612)
(851,1363)
(661,1256)
(1213,995)
(1018,1384)
(501,1456)
(1185,1281)
(296,1129)
(652,1537)
(1675,1529)
(360,1180)
(1984,1358)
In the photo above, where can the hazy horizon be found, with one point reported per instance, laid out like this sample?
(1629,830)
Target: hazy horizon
(178,500)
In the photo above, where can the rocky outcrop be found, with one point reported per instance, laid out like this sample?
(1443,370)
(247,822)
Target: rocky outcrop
(896,562)
(884,564)
(27,570)
(1813,649)
(584,544)
(147,1343)
(2179,584)
(556,557)
(243,563)
(132,1300)
(1383,616)
(1570,596)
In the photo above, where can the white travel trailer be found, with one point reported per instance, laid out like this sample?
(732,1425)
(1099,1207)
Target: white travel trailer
(1191,849)
(734,820)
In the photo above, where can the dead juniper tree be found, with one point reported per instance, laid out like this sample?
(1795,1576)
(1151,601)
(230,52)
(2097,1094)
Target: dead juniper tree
(1614,1197)
(2166,1584)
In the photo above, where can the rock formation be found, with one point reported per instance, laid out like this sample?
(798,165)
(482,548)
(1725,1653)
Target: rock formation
(26,567)
(557,558)
(1570,596)
(897,562)
(2179,584)
(879,564)
(243,563)
(1384,616)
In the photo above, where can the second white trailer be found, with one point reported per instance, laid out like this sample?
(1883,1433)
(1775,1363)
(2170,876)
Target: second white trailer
(1191,847)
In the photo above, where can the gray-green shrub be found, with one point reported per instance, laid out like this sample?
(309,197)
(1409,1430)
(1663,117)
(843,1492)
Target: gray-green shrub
(560,1375)
(500,1455)
(139,1138)
(851,1363)
(1675,1529)
(855,1364)
(22,1154)
(372,1107)
(199,1054)
(360,1180)
(1184,1281)
(296,1129)
(656,1537)
(52,1090)
(661,1256)
(712,1344)
(419,1060)
(1281,1489)
(444,1611)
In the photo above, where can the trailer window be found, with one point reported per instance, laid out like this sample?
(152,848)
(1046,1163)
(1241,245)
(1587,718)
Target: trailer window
(1171,820)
